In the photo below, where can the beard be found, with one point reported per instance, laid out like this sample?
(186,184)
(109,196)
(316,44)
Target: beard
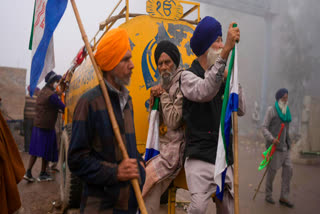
(166,78)
(212,56)
(283,106)
(121,82)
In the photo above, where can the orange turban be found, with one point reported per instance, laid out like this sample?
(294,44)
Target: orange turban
(112,48)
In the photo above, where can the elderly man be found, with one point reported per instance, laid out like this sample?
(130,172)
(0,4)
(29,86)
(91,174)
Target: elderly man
(203,86)
(94,154)
(163,168)
(275,116)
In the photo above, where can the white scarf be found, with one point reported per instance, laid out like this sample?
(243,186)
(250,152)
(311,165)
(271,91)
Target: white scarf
(283,106)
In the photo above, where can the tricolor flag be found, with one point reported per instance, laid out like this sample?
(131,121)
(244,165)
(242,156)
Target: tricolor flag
(230,104)
(152,147)
(46,16)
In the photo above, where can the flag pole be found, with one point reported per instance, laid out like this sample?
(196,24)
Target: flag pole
(264,174)
(236,162)
(268,164)
(114,123)
(236,155)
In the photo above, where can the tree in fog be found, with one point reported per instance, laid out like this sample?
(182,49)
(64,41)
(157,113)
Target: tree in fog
(298,52)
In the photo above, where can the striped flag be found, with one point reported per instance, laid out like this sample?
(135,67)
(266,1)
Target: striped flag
(230,104)
(46,16)
(152,147)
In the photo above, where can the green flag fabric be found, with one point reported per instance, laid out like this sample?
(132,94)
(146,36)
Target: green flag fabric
(267,158)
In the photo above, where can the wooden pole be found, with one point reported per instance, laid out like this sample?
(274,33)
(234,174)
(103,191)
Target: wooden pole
(114,123)
(127,10)
(264,174)
(236,162)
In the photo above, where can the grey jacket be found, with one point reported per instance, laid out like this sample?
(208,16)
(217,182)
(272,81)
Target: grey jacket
(271,127)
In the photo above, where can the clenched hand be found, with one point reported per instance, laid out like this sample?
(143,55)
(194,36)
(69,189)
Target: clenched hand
(127,170)
(232,37)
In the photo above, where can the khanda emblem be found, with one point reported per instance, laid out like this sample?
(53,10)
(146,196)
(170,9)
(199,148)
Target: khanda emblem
(168,9)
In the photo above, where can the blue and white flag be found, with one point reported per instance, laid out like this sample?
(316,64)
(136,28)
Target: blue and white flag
(230,104)
(46,16)
(152,146)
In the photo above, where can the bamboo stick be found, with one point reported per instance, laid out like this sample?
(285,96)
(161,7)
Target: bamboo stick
(127,10)
(264,174)
(115,126)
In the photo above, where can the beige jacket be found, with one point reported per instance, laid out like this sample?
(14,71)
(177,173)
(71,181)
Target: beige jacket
(169,162)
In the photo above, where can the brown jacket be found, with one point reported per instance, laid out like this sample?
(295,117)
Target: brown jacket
(47,113)
(11,170)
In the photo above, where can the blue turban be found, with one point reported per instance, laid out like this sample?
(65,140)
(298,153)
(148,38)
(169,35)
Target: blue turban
(280,93)
(206,33)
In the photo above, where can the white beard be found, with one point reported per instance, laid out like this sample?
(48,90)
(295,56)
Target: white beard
(166,78)
(121,82)
(283,106)
(212,56)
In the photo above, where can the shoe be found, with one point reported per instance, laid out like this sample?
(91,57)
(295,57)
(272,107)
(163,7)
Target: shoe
(44,176)
(28,177)
(270,200)
(286,203)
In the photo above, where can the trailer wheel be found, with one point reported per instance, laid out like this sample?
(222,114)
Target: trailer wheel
(70,185)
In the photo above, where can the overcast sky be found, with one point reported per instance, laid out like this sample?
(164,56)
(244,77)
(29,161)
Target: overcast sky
(15,25)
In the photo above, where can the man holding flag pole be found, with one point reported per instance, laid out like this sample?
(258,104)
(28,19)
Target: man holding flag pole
(276,116)
(165,148)
(203,86)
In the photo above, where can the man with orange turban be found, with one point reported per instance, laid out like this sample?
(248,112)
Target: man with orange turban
(94,155)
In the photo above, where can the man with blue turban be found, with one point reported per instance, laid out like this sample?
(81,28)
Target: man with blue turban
(203,87)
(275,116)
